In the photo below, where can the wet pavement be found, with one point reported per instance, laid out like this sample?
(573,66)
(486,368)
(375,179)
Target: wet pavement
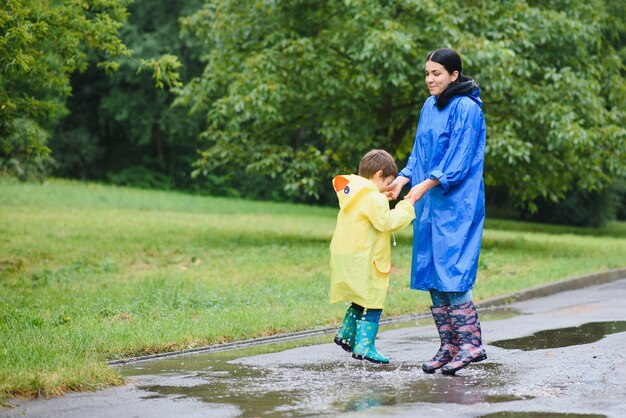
(559,355)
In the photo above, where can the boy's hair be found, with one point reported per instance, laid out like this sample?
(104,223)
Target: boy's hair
(377,159)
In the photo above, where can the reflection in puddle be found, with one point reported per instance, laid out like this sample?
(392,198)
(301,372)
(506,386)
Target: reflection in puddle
(539,415)
(321,388)
(333,388)
(564,337)
(468,389)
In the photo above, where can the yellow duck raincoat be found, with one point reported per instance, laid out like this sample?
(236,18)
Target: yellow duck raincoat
(360,251)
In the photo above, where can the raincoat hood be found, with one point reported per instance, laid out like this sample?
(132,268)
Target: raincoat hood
(464,87)
(475,96)
(351,187)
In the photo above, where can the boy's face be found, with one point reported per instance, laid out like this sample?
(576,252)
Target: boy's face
(381,181)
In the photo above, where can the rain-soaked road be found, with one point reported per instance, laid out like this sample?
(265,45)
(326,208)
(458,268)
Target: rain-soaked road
(560,355)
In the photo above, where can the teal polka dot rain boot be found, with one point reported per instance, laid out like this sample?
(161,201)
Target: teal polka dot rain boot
(364,343)
(346,334)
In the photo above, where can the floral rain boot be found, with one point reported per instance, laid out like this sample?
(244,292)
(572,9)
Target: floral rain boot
(466,325)
(345,334)
(449,340)
(364,344)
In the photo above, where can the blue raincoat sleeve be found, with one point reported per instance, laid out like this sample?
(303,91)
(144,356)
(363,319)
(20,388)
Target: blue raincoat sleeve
(412,161)
(466,125)
(408,170)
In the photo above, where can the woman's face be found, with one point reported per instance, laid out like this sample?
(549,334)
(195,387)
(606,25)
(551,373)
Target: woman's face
(438,78)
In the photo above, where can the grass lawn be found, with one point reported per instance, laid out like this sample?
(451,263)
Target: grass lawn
(90,273)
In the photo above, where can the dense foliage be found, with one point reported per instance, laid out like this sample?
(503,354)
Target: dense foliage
(54,50)
(127,130)
(281,95)
(299,89)
(42,44)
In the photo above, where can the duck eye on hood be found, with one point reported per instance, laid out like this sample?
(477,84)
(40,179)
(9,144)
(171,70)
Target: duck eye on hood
(349,187)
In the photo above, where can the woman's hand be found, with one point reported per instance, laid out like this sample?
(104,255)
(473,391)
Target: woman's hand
(419,190)
(394,189)
(416,193)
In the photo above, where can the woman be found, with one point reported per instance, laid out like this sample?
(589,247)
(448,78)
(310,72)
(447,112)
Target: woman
(445,169)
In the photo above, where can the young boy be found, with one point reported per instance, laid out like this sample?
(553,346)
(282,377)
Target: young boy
(360,251)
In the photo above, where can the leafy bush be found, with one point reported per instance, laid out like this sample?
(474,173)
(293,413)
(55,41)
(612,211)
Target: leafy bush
(23,152)
(76,152)
(579,208)
(142,177)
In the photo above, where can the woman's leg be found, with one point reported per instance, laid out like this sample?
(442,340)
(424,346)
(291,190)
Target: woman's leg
(439,298)
(458,298)
(466,326)
(449,343)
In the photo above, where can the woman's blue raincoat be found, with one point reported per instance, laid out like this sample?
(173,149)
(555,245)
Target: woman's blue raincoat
(449,146)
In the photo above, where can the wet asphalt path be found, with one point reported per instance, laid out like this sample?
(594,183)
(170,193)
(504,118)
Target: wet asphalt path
(559,355)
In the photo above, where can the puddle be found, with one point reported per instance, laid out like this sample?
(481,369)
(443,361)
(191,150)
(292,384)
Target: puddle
(286,379)
(539,415)
(564,337)
(334,384)
(328,388)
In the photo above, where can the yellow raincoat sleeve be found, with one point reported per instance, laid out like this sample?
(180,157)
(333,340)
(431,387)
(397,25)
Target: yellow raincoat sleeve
(389,220)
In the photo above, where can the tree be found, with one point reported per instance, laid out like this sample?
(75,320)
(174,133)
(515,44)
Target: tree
(555,97)
(298,90)
(129,132)
(43,43)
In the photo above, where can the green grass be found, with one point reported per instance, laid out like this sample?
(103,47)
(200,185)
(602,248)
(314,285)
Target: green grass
(90,273)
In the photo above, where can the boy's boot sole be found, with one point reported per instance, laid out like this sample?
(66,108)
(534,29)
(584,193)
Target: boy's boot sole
(364,348)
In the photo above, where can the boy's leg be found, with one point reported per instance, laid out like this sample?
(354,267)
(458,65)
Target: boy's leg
(372,315)
(345,334)
(367,329)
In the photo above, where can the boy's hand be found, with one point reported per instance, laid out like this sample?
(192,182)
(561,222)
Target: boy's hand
(411,197)
(414,194)
(394,189)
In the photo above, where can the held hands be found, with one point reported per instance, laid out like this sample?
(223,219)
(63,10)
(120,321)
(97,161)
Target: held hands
(416,193)
(419,190)
(394,189)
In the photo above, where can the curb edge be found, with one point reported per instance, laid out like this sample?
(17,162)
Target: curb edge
(530,293)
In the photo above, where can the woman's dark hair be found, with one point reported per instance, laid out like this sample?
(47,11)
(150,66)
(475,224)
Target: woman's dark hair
(448,58)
